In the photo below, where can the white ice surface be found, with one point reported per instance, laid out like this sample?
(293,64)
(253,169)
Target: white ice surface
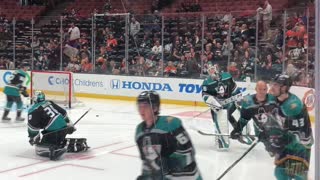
(109,128)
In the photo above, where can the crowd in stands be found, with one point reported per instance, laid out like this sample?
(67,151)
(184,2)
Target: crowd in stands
(185,54)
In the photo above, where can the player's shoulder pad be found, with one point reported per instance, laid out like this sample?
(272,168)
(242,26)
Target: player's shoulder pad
(292,106)
(225,75)
(168,123)
(271,98)
(247,101)
(208,80)
(34,107)
(21,72)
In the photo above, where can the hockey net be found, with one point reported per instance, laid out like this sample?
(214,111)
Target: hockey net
(55,85)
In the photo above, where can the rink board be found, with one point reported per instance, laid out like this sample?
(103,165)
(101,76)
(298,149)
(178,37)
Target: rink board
(171,90)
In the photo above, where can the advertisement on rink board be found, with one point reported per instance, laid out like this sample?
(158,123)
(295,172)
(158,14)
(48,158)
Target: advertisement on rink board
(130,86)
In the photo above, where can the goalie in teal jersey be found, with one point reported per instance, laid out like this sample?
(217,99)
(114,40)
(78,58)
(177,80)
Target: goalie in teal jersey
(216,88)
(13,90)
(48,125)
(164,145)
(293,161)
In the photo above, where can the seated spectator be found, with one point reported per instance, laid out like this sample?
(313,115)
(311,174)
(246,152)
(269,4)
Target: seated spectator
(170,70)
(86,66)
(145,42)
(103,52)
(277,39)
(83,41)
(247,66)
(107,6)
(227,47)
(246,47)
(168,48)
(297,53)
(192,66)
(209,53)
(157,48)
(101,66)
(267,64)
(73,65)
(296,33)
(234,70)
(123,68)
(112,43)
(35,43)
(140,66)
(2,63)
(245,32)
(218,53)
(9,64)
(42,63)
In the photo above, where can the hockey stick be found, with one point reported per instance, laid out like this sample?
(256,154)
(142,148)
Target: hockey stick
(236,162)
(82,116)
(195,116)
(212,134)
(67,126)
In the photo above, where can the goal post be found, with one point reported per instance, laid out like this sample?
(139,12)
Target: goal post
(57,86)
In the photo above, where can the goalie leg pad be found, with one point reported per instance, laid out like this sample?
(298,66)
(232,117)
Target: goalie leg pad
(76,144)
(221,127)
(51,151)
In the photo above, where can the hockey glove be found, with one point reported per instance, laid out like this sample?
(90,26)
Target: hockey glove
(215,108)
(70,128)
(34,140)
(23,91)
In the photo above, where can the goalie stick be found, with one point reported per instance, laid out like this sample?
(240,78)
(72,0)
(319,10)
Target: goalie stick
(213,134)
(217,104)
(67,126)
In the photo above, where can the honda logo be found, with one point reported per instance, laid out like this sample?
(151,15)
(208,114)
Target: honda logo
(115,84)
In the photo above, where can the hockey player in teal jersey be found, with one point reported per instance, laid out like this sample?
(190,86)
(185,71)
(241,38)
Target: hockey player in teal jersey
(164,145)
(13,90)
(216,88)
(292,163)
(279,142)
(255,107)
(48,125)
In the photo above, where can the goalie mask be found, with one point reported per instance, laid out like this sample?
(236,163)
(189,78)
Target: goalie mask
(39,96)
(150,97)
(214,71)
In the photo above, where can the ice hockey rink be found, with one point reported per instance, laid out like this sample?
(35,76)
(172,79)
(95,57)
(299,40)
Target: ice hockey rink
(109,128)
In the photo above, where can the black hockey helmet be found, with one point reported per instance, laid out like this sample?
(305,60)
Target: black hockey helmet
(150,97)
(283,80)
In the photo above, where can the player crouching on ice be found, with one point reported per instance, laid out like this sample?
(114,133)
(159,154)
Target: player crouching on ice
(48,125)
(220,92)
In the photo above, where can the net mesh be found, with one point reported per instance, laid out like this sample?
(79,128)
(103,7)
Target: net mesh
(55,85)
